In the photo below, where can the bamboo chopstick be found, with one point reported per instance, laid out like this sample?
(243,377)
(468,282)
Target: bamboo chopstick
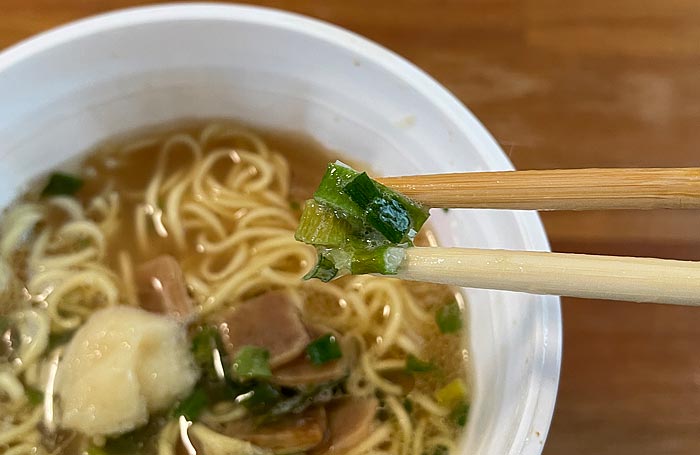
(574,275)
(560,189)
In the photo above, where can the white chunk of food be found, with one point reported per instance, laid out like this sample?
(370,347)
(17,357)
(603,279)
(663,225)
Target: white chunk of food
(121,365)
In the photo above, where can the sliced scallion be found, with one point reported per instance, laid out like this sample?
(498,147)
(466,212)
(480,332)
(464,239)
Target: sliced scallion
(390,218)
(324,349)
(34,396)
(192,406)
(206,344)
(416,365)
(358,225)
(362,190)
(325,269)
(319,225)
(61,184)
(330,190)
(451,394)
(460,413)
(260,398)
(449,318)
(384,260)
(251,362)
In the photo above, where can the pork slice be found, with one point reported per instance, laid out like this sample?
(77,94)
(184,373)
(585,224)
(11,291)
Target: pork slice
(291,433)
(301,372)
(350,421)
(161,288)
(270,321)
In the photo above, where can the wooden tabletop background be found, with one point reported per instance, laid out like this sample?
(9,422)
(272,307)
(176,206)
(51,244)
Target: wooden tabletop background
(560,84)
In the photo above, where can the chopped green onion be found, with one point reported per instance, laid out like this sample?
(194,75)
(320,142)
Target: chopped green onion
(325,270)
(390,218)
(440,450)
(408,405)
(449,318)
(330,190)
(416,365)
(383,212)
(95,450)
(34,396)
(362,190)
(358,225)
(61,184)
(416,212)
(206,344)
(260,398)
(385,260)
(460,413)
(192,406)
(251,362)
(324,349)
(452,393)
(319,225)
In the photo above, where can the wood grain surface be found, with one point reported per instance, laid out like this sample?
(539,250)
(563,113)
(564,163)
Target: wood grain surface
(560,84)
(639,188)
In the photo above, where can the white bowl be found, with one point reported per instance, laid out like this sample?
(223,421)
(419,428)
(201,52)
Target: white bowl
(67,89)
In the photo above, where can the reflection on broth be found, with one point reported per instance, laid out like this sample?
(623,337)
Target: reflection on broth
(154,304)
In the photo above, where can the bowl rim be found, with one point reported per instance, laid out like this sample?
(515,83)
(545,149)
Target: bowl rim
(529,223)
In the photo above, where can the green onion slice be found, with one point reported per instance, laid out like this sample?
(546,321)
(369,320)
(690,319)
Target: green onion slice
(416,365)
(192,406)
(460,413)
(251,362)
(324,349)
(61,184)
(358,225)
(449,318)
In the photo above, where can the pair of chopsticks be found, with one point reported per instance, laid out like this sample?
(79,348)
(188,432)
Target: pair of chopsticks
(575,275)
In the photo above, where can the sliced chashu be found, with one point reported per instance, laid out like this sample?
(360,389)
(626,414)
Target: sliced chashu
(271,321)
(301,372)
(208,442)
(161,288)
(350,421)
(289,434)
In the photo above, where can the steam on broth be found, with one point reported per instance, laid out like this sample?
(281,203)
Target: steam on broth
(154,303)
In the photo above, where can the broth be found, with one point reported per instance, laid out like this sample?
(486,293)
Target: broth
(194,223)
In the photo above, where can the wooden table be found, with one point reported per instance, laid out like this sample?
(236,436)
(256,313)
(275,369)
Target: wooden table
(560,84)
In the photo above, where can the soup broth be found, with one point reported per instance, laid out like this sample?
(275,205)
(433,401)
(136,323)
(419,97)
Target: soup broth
(154,303)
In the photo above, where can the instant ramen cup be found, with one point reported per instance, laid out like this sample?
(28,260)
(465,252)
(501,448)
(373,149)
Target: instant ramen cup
(68,89)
